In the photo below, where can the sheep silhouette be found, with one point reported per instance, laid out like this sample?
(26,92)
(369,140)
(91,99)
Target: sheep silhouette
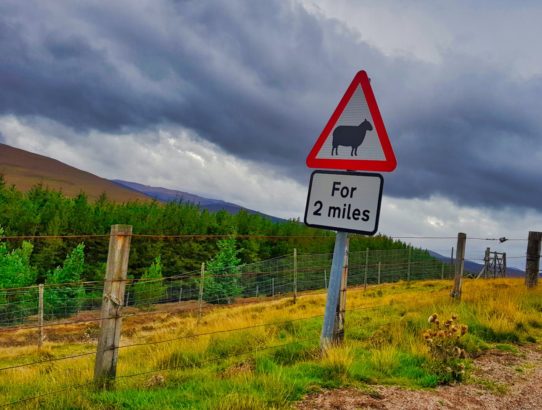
(350,136)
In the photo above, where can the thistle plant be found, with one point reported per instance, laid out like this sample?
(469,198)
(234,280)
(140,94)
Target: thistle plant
(447,356)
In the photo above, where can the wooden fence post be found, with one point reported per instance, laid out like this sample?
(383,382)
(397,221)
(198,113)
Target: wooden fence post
(459,265)
(273,286)
(295,275)
(486,263)
(105,368)
(532,264)
(442,271)
(409,261)
(200,296)
(40,316)
(379,265)
(366,268)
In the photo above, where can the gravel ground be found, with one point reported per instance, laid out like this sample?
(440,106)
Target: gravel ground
(499,380)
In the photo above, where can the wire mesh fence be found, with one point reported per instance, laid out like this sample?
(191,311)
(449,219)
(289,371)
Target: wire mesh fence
(192,292)
(269,278)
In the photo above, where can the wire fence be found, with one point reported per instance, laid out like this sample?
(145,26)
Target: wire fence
(190,293)
(62,303)
(171,365)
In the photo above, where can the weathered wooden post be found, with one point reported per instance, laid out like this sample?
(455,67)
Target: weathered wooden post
(200,296)
(295,275)
(338,330)
(409,261)
(105,368)
(459,265)
(379,266)
(273,287)
(41,337)
(532,264)
(494,265)
(487,254)
(366,268)
(442,271)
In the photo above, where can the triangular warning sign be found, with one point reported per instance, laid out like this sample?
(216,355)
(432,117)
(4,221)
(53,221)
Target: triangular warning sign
(355,137)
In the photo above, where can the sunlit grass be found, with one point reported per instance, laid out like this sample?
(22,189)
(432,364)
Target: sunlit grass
(273,365)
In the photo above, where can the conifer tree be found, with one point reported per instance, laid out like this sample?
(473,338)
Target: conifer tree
(67,298)
(150,288)
(222,274)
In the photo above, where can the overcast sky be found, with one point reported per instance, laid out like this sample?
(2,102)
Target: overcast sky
(226,98)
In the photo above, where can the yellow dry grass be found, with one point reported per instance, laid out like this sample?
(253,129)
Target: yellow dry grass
(385,321)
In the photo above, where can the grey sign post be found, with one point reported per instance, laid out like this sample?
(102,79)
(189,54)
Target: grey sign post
(346,202)
(333,291)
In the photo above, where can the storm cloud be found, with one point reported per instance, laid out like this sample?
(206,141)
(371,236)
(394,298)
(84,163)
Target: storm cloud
(260,80)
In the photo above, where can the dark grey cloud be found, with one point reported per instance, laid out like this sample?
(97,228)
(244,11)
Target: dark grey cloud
(475,138)
(260,79)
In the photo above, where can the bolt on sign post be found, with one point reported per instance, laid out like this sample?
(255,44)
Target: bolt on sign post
(354,139)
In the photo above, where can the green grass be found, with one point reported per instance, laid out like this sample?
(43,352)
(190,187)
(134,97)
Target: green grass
(274,366)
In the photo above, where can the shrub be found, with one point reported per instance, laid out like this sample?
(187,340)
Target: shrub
(16,272)
(67,298)
(150,288)
(222,274)
(447,356)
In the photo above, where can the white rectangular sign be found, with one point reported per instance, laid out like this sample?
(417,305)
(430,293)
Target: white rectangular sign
(344,201)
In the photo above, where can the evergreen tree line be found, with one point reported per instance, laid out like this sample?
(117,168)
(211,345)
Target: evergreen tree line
(44,212)
(41,211)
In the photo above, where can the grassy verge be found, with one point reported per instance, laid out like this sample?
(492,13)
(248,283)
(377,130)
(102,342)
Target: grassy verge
(266,355)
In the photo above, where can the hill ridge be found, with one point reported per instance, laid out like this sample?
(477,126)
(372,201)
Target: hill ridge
(169,195)
(25,169)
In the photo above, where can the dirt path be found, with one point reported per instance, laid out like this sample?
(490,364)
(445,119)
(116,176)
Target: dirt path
(500,380)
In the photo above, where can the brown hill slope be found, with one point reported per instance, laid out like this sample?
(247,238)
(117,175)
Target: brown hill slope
(25,169)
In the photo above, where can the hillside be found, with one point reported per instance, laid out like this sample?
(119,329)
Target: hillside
(172,195)
(25,169)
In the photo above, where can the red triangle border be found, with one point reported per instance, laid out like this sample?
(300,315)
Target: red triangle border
(390,162)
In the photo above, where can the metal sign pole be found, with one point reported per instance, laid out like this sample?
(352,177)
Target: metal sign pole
(334,289)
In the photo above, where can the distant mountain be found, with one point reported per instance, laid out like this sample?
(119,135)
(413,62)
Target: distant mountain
(476,268)
(25,169)
(169,195)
